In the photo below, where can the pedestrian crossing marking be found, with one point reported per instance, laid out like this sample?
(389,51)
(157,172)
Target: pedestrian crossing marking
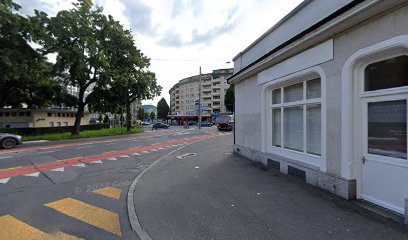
(14,229)
(109,192)
(95,216)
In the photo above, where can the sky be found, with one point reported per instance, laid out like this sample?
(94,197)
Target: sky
(179,36)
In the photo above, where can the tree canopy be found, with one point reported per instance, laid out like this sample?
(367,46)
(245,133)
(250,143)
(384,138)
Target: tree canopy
(162,109)
(229,98)
(97,55)
(26,76)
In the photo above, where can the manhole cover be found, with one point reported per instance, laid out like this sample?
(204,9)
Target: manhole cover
(186,155)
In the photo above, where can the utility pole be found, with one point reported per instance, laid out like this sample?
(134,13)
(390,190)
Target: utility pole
(199,102)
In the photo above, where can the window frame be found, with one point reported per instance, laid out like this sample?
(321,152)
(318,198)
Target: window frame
(379,95)
(304,103)
(317,162)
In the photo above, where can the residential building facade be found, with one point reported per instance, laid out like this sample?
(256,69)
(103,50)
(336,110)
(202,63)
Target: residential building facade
(185,94)
(323,96)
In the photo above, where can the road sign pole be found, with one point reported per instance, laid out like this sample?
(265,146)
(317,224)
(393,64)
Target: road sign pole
(199,102)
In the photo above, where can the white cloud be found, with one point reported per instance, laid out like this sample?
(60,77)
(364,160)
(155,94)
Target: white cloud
(181,35)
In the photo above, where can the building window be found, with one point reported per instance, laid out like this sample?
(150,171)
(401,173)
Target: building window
(21,114)
(59,114)
(51,124)
(7,114)
(390,73)
(66,124)
(28,114)
(13,114)
(58,124)
(296,117)
(1,114)
(49,114)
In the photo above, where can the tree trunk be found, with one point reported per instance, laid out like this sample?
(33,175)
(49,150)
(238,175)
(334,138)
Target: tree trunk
(77,125)
(121,117)
(128,118)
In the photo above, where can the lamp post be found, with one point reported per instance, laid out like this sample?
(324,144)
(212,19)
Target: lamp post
(199,102)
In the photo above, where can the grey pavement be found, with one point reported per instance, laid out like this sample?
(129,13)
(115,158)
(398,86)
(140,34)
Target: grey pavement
(218,195)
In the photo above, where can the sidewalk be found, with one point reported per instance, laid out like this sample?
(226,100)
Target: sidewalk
(218,195)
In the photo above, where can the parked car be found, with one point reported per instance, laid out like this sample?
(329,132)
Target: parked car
(206,124)
(160,125)
(192,123)
(145,123)
(8,140)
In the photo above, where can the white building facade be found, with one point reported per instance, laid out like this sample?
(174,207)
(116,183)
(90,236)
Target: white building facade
(323,96)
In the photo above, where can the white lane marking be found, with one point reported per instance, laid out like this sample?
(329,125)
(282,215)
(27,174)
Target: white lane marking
(5,157)
(79,165)
(57,170)
(36,174)
(99,161)
(4,180)
(196,167)
(161,148)
(85,147)
(124,156)
(135,154)
(154,150)
(145,152)
(110,143)
(112,159)
(46,152)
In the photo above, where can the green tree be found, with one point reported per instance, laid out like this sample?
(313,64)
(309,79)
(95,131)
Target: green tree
(229,98)
(79,37)
(130,79)
(141,113)
(153,115)
(106,119)
(162,109)
(26,76)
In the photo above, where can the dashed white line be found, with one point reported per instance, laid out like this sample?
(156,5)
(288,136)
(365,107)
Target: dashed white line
(4,180)
(36,174)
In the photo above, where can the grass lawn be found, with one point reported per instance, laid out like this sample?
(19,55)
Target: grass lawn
(83,134)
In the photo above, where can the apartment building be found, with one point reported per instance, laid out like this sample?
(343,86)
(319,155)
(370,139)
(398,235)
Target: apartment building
(185,94)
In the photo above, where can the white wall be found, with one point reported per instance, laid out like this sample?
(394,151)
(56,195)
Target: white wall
(311,14)
(248,114)
(248,92)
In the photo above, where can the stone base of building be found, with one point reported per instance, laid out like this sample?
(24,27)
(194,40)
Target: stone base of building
(309,173)
(406,211)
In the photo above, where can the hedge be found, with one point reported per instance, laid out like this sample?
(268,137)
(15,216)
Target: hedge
(50,130)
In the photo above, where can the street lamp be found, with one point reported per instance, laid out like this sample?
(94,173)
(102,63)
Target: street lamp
(199,102)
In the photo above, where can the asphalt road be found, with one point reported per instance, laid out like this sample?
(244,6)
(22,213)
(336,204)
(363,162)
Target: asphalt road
(215,194)
(77,189)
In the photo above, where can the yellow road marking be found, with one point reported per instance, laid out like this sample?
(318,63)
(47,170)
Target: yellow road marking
(14,229)
(109,192)
(95,216)
(9,169)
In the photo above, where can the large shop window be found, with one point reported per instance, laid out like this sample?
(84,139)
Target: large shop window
(296,117)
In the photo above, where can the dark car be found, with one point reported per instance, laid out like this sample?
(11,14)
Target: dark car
(192,123)
(159,125)
(206,124)
(8,140)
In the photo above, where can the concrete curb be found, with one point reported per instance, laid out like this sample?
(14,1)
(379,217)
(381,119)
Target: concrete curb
(133,219)
(36,141)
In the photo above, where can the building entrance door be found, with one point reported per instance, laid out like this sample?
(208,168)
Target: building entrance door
(384,150)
